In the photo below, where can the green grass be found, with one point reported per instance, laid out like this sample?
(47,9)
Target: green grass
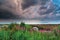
(8,34)
(26,35)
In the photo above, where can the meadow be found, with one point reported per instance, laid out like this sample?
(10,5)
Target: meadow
(23,32)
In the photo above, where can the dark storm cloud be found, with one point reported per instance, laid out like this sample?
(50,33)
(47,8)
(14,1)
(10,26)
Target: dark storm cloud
(27,3)
(6,14)
(8,9)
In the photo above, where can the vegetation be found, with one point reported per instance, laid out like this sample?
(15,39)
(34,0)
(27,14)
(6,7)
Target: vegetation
(22,24)
(27,34)
(11,26)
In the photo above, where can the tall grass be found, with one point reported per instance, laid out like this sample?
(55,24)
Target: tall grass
(27,35)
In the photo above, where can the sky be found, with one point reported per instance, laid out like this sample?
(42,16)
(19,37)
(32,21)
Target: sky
(57,2)
(30,11)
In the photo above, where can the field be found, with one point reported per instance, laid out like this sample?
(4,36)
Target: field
(24,32)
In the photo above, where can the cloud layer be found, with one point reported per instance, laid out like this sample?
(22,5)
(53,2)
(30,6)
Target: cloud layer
(43,10)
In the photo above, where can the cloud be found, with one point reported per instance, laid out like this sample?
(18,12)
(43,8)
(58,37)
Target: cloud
(43,10)
(39,9)
(11,7)
(27,3)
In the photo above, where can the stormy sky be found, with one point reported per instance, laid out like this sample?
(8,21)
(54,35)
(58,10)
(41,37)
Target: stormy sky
(40,11)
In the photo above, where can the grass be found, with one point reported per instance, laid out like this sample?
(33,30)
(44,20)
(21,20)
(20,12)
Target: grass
(26,34)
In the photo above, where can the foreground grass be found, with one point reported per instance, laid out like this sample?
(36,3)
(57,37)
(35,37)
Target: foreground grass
(27,35)
(11,33)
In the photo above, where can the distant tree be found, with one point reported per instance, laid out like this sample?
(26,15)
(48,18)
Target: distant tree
(22,24)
